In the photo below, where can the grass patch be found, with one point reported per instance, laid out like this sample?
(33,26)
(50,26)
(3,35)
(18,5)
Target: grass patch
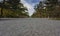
(54,18)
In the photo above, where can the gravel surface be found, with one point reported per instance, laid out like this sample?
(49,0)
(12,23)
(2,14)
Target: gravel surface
(29,27)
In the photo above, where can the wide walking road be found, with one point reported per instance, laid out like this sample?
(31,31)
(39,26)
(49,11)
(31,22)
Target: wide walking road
(29,27)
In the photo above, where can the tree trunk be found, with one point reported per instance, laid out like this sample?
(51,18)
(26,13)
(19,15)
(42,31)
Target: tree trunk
(2,8)
(1,12)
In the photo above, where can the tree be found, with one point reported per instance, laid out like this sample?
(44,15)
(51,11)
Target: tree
(39,10)
(12,6)
(48,8)
(52,7)
(2,5)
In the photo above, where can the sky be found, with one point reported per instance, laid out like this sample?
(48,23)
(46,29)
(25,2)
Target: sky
(30,5)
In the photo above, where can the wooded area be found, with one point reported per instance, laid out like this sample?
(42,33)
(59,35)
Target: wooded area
(48,8)
(12,8)
(15,9)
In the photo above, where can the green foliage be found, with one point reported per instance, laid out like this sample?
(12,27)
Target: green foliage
(53,8)
(40,11)
(13,8)
(50,9)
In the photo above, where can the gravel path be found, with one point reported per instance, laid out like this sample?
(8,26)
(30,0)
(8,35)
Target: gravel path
(30,27)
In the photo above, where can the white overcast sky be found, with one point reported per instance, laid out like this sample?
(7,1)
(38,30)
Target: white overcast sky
(30,5)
